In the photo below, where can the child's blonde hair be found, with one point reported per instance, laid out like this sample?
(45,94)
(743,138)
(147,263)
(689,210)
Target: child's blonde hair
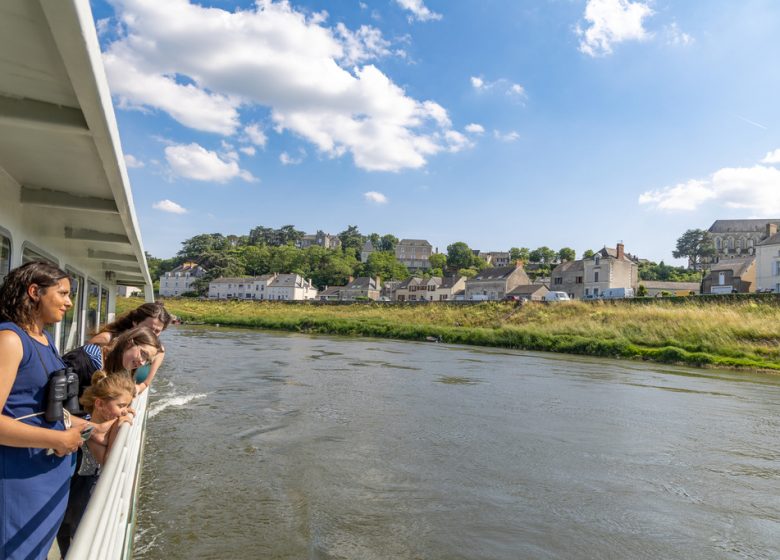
(106,387)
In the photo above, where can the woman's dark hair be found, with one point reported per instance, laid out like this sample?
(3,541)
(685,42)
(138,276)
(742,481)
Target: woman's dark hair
(137,316)
(112,363)
(15,303)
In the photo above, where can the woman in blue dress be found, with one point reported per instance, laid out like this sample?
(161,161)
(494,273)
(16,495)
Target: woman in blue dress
(34,484)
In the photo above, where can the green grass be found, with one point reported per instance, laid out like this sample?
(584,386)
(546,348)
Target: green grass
(732,333)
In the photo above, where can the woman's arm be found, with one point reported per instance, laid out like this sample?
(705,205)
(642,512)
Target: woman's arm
(18,434)
(156,363)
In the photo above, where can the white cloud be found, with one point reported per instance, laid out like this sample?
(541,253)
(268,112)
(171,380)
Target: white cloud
(457,141)
(475,128)
(365,44)
(676,37)
(755,189)
(772,157)
(287,159)
(419,11)
(502,84)
(195,162)
(610,22)
(169,206)
(205,66)
(248,150)
(102,26)
(256,135)
(133,162)
(510,136)
(375,197)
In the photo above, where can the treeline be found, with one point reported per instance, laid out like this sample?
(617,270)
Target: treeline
(267,250)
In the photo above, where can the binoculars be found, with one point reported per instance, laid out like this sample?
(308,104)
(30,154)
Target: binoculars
(63,393)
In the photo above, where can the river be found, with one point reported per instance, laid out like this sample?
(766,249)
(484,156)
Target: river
(285,446)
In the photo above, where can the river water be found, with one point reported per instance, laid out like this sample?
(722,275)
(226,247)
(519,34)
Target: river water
(268,445)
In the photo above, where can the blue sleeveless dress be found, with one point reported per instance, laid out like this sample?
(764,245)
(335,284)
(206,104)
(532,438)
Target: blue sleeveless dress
(33,486)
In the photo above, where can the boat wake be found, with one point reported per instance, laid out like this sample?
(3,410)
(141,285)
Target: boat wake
(162,404)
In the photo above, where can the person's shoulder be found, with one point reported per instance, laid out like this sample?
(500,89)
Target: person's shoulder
(10,342)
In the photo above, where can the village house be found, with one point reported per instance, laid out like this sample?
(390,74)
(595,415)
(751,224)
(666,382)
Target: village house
(739,238)
(290,287)
(768,262)
(414,253)
(366,251)
(361,288)
(529,292)
(180,280)
(731,276)
(332,293)
(607,269)
(433,289)
(284,287)
(569,277)
(387,293)
(495,283)
(496,259)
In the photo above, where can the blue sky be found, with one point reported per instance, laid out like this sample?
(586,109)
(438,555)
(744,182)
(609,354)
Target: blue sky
(566,123)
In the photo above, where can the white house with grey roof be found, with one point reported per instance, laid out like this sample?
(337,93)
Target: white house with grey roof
(768,262)
(290,287)
(278,287)
(180,280)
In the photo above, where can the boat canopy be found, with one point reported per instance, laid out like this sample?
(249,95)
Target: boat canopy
(63,180)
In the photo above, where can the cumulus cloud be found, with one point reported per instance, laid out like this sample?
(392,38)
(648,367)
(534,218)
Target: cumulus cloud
(255,135)
(754,189)
(418,9)
(772,157)
(475,128)
(375,197)
(510,136)
(676,37)
(193,161)
(205,66)
(287,159)
(169,206)
(610,22)
(133,162)
(502,85)
(248,150)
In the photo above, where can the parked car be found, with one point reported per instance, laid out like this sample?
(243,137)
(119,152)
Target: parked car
(556,296)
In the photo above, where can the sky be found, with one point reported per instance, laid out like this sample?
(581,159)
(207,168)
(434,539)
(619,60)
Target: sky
(513,123)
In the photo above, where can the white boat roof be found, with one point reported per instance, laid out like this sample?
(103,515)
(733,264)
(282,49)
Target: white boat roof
(59,142)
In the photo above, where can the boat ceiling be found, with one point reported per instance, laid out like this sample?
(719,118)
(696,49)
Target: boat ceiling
(59,142)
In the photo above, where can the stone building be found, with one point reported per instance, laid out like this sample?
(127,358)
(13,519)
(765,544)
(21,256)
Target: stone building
(731,276)
(495,283)
(735,239)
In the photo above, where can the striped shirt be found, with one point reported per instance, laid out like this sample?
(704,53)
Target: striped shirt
(95,355)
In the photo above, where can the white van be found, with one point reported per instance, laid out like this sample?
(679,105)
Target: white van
(556,296)
(617,293)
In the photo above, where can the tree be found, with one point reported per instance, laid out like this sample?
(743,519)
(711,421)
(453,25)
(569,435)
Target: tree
(195,247)
(385,265)
(256,259)
(543,255)
(522,254)
(697,246)
(388,242)
(288,235)
(641,291)
(459,255)
(351,239)
(588,253)
(438,260)
(566,254)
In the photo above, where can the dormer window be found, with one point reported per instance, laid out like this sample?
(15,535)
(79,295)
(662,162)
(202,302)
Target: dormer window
(597,260)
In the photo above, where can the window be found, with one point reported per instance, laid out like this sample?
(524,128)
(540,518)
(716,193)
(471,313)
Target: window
(5,256)
(71,324)
(777,268)
(596,276)
(29,255)
(597,260)
(578,280)
(718,243)
(595,292)
(558,281)
(104,306)
(722,278)
(93,291)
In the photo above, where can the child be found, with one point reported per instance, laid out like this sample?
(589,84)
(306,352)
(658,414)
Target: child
(108,400)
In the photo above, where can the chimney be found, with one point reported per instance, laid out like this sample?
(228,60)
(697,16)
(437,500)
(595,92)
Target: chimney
(771,229)
(620,251)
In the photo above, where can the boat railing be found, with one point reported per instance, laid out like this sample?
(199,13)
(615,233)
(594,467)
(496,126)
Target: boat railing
(106,530)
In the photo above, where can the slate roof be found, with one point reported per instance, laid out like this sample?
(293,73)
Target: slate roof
(737,266)
(363,283)
(771,240)
(739,226)
(422,242)
(527,289)
(492,274)
(450,281)
(670,286)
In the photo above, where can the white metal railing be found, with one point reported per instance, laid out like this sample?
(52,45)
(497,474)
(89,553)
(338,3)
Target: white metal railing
(106,530)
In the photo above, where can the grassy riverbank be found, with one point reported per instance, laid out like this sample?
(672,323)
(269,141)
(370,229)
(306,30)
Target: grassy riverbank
(739,334)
